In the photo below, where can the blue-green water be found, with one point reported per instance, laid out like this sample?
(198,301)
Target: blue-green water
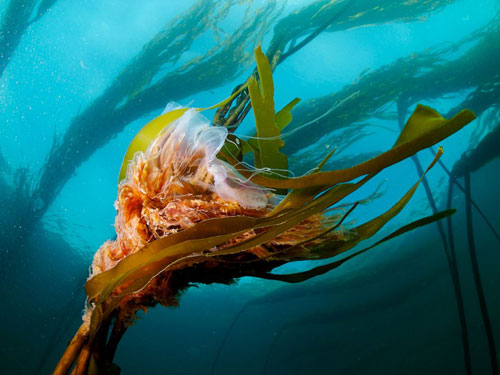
(70,104)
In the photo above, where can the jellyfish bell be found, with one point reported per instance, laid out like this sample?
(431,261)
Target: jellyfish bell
(177,182)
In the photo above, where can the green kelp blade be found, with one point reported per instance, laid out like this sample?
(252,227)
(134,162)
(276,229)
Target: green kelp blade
(371,227)
(284,116)
(282,119)
(204,229)
(265,77)
(299,197)
(153,128)
(364,232)
(268,133)
(146,135)
(294,217)
(320,270)
(414,141)
(423,120)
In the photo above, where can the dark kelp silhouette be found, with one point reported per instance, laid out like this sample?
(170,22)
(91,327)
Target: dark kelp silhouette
(402,106)
(416,78)
(324,16)
(420,76)
(19,15)
(355,308)
(483,153)
(369,283)
(16,201)
(246,241)
(483,98)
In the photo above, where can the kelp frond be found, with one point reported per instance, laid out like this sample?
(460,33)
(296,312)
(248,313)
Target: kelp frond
(247,240)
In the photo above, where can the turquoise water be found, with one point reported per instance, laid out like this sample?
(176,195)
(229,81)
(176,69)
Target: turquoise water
(68,113)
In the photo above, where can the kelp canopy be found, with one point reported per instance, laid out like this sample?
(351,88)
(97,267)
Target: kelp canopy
(190,211)
(427,75)
(159,69)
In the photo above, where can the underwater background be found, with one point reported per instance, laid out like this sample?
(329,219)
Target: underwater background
(78,79)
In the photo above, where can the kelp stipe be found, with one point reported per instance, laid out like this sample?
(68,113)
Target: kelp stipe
(453,180)
(477,277)
(174,229)
(452,262)
(449,250)
(462,168)
(480,155)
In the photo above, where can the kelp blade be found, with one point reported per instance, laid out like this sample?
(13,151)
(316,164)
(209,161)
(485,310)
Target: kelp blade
(211,233)
(366,231)
(284,116)
(146,135)
(299,197)
(311,193)
(371,227)
(268,133)
(320,270)
(415,139)
(205,229)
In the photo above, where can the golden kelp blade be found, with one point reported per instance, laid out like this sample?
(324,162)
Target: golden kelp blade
(415,139)
(364,232)
(423,120)
(262,99)
(368,229)
(320,270)
(205,229)
(144,137)
(138,269)
(298,197)
(157,255)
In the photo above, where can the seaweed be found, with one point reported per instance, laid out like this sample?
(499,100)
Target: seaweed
(477,278)
(324,16)
(355,308)
(426,75)
(449,253)
(143,85)
(190,252)
(329,290)
(20,14)
(483,153)
(460,171)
